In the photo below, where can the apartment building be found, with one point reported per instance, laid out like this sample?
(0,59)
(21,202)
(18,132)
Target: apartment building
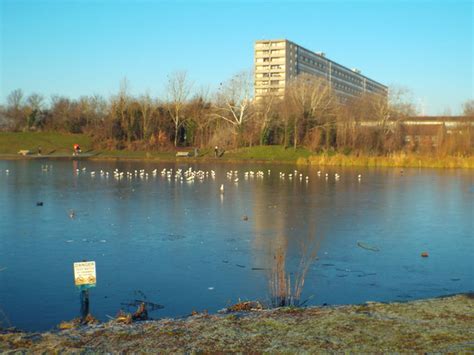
(277,62)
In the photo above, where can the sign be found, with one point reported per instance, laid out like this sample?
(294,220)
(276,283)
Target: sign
(84,273)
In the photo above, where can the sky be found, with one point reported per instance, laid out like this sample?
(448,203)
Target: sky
(86,47)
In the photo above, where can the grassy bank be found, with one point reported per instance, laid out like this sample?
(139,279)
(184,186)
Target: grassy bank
(268,153)
(53,143)
(50,142)
(434,325)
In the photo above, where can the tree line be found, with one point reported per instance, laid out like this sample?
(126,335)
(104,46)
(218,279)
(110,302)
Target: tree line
(310,114)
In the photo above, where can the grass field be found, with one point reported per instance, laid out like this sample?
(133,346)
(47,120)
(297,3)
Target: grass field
(50,142)
(268,153)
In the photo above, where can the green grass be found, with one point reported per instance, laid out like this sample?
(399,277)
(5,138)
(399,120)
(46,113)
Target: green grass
(56,143)
(138,154)
(12,142)
(267,153)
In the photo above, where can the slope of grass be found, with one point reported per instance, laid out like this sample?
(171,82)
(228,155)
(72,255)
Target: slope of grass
(12,142)
(267,153)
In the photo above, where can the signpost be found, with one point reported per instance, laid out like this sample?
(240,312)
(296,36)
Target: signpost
(85,278)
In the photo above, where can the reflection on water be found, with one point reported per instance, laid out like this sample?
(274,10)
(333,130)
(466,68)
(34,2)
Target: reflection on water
(186,246)
(275,231)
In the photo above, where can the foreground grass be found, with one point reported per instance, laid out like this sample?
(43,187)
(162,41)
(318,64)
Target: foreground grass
(434,325)
(54,143)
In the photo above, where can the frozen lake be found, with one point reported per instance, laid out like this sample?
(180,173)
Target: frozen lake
(186,246)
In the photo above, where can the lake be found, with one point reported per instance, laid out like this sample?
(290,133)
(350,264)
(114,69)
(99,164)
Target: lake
(187,246)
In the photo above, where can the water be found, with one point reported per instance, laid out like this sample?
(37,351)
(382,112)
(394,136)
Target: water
(187,247)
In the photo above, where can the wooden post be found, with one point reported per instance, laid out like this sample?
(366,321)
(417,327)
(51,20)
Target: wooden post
(84,278)
(84,304)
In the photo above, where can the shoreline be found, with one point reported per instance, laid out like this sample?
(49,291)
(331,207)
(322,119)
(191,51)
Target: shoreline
(337,160)
(56,145)
(436,324)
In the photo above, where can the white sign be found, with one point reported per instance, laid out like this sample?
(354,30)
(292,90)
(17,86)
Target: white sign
(84,273)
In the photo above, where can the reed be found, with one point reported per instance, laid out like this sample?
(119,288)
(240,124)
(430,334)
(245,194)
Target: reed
(397,160)
(285,291)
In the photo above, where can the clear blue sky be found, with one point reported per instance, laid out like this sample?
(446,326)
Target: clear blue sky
(76,48)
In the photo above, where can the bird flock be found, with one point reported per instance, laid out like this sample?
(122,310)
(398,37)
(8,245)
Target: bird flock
(190,175)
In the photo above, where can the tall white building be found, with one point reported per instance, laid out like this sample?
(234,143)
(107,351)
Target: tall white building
(277,62)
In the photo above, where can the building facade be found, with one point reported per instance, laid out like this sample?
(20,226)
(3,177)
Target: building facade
(277,62)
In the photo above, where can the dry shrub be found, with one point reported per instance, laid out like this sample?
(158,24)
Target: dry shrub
(285,291)
(223,138)
(314,139)
(394,140)
(425,145)
(109,144)
(159,140)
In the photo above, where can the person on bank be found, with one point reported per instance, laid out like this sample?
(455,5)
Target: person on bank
(77,149)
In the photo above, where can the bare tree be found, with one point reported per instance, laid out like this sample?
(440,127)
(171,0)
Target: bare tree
(59,112)
(233,101)
(264,113)
(199,110)
(400,102)
(313,99)
(14,109)
(178,91)
(35,101)
(15,99)
(118,119)
(35,105)
(468,108)
(146,109)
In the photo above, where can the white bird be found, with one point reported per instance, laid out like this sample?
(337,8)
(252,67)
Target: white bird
(222,188)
